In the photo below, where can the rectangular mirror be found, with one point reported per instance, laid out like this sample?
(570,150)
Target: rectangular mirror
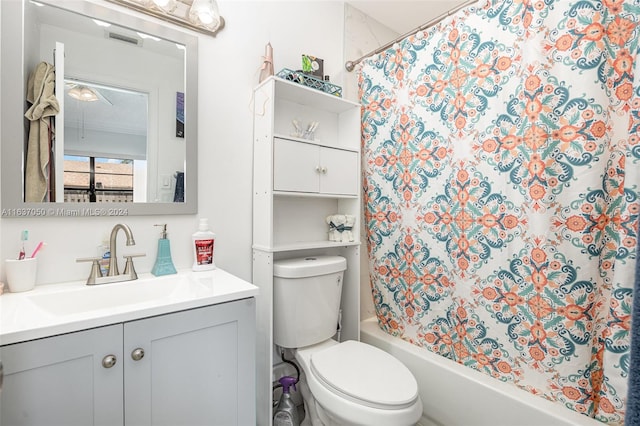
(123,95)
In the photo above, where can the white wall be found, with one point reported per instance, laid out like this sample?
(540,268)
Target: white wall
(362,35)
(228,71)
(105,144)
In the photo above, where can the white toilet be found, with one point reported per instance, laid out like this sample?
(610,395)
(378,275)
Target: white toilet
(351,383)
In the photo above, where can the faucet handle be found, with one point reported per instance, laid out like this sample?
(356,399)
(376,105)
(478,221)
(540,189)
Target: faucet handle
(96,272)
(134,255)
(129,269)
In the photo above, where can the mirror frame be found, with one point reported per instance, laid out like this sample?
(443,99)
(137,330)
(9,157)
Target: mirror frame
(12,69)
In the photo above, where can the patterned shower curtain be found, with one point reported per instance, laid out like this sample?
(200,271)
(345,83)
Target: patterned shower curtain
(502,193)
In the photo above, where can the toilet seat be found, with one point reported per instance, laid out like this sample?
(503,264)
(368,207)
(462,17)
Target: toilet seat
(338,396)
(365,375)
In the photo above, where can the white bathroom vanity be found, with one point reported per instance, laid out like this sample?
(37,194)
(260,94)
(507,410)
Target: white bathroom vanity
(171,350)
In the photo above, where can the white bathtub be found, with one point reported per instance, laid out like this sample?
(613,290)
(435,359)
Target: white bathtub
(454,395)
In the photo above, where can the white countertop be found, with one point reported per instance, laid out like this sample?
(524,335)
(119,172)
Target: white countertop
(54,309)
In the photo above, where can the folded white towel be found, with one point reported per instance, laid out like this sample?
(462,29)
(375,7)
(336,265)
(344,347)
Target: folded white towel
(347,233)
(336,226)
(341,227)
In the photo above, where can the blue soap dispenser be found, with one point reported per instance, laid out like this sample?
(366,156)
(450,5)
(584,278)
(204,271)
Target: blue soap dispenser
(164,264)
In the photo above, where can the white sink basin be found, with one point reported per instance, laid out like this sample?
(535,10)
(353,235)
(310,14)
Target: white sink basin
(114,295)
(60,308)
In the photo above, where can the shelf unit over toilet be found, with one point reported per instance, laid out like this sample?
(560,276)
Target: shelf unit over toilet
(297,183)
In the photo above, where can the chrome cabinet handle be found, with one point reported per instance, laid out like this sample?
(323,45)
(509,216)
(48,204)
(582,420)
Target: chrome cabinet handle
(137,354)
(109,361)
(324,170)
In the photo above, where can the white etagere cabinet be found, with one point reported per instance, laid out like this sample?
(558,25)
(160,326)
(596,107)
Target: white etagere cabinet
(297,183)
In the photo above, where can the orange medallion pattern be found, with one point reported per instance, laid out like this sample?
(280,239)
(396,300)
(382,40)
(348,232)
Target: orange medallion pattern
(502,193)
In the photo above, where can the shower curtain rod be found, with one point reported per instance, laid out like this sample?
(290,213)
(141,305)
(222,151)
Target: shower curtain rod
(350,65)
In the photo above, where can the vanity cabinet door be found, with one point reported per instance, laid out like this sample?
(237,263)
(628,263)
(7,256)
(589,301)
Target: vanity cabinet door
(61,380)
(197,367)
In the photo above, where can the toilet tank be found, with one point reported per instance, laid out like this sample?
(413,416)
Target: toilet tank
(306,299)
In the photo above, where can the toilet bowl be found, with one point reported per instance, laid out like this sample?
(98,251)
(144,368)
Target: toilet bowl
(350,383)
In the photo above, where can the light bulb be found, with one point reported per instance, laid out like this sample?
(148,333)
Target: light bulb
(75,93)
(205,12)
(205,17)
(88,95)
(166,5)
(83,93)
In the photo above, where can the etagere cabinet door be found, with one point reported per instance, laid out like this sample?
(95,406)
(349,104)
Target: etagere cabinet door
(338,171)
(193,367)
(296,166)
(304,167)
(73,379)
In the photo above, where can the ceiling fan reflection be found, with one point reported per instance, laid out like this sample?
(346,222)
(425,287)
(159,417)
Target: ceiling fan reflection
(85,93)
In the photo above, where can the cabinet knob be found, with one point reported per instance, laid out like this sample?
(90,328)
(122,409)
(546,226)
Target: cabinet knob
(324,170)
(317,169)
(137,354)
(109,361)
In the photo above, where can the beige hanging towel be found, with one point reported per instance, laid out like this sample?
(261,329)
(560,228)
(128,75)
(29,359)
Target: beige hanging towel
(44,105)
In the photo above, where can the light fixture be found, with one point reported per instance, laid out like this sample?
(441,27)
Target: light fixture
(205,13)
(167,5)
(83,93)
(198,15)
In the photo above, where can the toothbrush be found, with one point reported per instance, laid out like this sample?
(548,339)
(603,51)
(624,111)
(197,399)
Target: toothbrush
(24,237)
(37,249)
(296,125)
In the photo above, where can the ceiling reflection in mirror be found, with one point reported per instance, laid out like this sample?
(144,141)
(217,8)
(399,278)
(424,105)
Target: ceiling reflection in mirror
(112,95)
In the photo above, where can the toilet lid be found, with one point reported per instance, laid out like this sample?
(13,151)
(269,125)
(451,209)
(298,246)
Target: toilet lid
(366,375)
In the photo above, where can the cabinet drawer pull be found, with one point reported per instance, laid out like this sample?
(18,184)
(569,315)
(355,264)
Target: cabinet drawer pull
(109,361)
(137,354)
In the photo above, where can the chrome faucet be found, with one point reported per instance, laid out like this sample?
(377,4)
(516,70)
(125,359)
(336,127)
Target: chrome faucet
(113,260)
(113,276)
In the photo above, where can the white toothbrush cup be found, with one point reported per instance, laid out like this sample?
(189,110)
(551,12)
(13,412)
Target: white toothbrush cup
(21,274)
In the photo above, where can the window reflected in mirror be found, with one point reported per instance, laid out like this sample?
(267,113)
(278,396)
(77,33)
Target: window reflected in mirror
(102,180)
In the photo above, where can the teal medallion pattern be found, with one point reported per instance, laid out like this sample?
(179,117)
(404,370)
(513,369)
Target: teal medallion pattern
(501,161)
